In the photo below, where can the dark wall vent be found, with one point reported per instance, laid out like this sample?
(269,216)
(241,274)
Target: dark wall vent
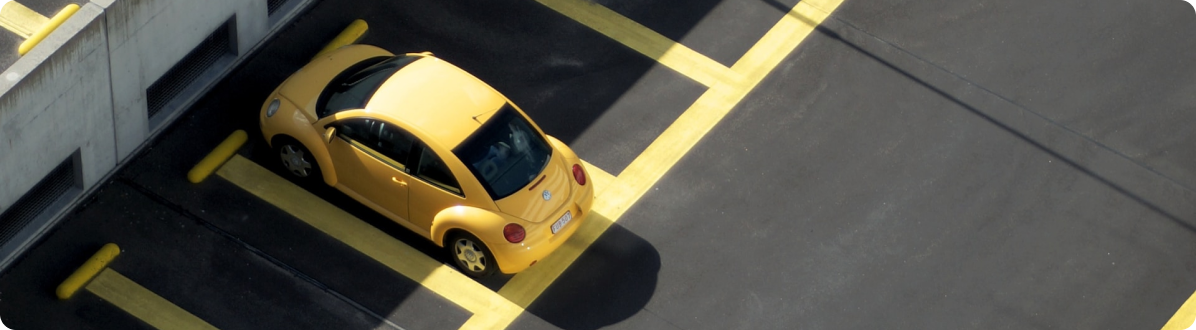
(274,5)
(217,45)
(49,190)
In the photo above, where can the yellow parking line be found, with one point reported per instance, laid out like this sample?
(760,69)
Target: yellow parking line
(710,108)
(785,35)
(642,39)
(1185,317)
(668,148)
(143,303)
(600,178)
(365,238)
(21,20)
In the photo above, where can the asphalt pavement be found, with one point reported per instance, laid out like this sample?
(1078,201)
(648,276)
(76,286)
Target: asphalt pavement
(911,165)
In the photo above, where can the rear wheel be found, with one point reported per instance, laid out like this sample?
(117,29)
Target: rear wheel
(471,255)
(296,159)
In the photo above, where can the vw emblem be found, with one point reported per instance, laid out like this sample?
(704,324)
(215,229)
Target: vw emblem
(547,195)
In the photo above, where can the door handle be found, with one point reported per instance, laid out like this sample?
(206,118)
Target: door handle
(400,182)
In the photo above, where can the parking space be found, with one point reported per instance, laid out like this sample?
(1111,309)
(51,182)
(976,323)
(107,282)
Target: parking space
(864,179)
(178,258)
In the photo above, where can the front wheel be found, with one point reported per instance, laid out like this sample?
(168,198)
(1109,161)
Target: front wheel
(471,255)
(297,160)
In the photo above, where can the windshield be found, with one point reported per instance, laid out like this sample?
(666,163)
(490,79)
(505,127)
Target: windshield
(506,153)
(353,88)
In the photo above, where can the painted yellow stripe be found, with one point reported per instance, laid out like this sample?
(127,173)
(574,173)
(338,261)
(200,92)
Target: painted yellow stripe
(402,258)
(710,108)
(600,178)
(786,34)
(680,137)
(87,271)
(44,31)
(667,149)
(643,40)
(21,20)
(142,303)
(1185,318)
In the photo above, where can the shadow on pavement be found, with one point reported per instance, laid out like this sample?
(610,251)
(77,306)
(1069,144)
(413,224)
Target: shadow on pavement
(613,280)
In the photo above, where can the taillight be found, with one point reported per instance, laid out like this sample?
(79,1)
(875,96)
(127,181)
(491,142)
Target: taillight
(579,175)
(513,232)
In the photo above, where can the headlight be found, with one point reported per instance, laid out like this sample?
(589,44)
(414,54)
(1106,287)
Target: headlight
(272,108)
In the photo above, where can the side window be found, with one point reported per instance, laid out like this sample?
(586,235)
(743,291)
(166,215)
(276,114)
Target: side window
(355,130)
(393,142)
(433,170)
(378,138)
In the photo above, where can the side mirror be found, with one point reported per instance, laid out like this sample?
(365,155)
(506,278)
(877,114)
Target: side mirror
(328,134)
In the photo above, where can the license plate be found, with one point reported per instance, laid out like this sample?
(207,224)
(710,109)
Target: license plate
(560,223)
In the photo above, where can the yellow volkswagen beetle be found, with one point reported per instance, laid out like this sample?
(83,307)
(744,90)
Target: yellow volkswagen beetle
(433,148)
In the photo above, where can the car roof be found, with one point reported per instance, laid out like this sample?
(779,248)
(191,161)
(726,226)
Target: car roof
(441,100)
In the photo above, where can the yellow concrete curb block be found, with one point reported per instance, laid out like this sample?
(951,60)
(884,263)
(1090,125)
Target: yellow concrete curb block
(352,34)
(45,30)
(85,273)
(221,154)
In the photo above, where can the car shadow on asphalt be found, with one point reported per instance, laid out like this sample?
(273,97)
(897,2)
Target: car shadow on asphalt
(610,282)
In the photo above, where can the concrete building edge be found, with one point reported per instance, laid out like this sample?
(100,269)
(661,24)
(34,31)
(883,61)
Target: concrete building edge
(28,237)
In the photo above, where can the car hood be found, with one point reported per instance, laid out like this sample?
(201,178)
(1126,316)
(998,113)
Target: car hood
(529,203)
(303,87)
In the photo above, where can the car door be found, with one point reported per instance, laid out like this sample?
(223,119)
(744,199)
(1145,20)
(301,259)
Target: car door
(370,157)
(434,189)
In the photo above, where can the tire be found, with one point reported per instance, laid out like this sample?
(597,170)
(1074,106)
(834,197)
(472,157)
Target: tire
(471,256)
(297,160)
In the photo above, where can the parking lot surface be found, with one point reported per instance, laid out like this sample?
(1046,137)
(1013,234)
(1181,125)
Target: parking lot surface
(758,165)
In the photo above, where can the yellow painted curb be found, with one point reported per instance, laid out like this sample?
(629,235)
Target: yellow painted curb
(45,30)
(221,154)
(85,273)
(353,33)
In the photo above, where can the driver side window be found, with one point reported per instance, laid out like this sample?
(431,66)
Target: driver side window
(380,139)
(354,130)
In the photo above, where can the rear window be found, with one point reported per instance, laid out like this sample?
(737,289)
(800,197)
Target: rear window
(506,153)
(353,88)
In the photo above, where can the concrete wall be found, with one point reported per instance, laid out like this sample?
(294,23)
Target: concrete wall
(83,89)
(56,100)
(146,38)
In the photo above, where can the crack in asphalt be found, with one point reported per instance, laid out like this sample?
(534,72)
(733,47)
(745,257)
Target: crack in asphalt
(1010,128)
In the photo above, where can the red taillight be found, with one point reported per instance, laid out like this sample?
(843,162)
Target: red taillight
(513,232)
(579,174)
